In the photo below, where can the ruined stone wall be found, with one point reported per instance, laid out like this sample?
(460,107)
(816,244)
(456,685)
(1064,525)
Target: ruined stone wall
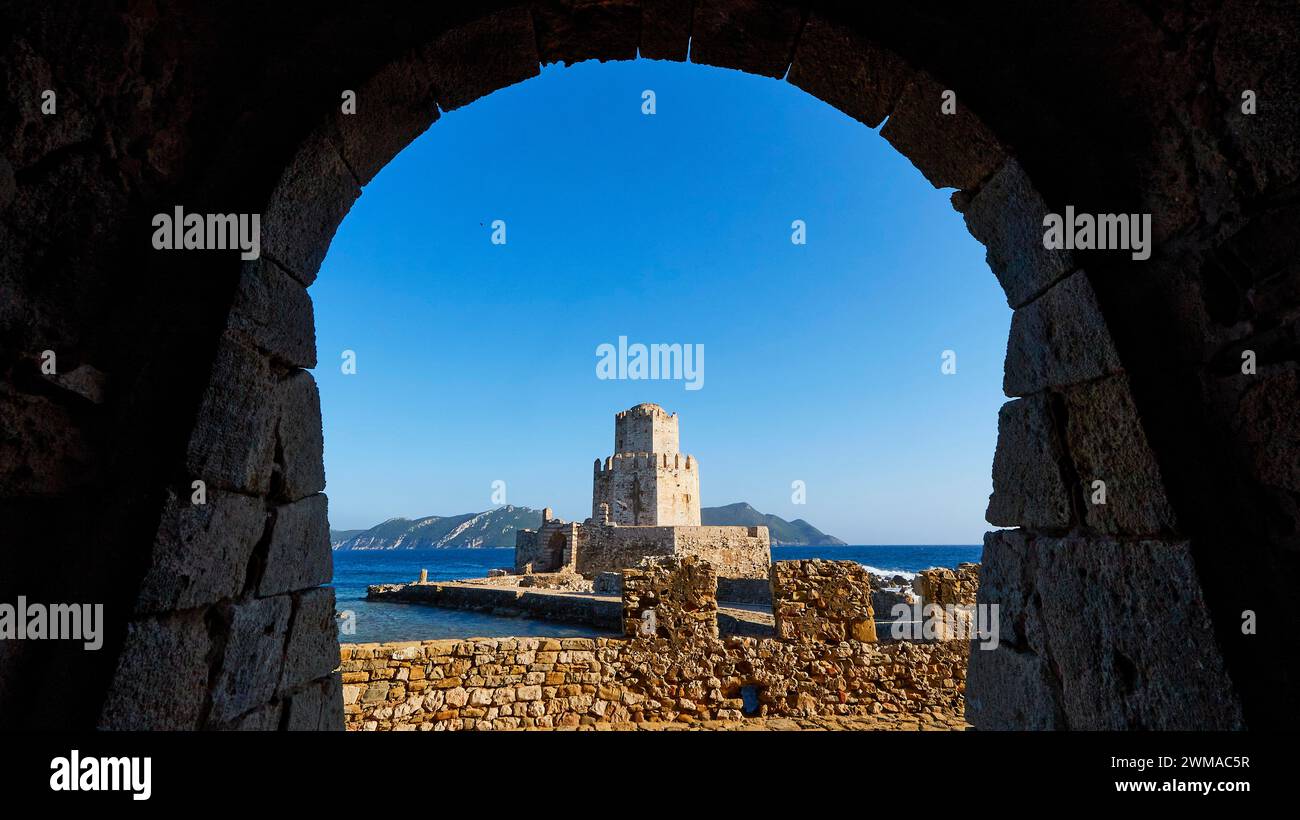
(538,550)
(610,549)
(674,598)
(515,683)
(827,601)
(736,552)
(944,586)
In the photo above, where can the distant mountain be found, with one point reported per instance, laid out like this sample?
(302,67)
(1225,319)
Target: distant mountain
(493,528)
(337,537)
(796,533)
(496,528)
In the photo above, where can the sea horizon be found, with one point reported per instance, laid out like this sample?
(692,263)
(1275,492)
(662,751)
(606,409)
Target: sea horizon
(355,570)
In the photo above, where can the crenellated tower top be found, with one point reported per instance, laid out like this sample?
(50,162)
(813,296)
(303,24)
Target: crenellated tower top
(645,428)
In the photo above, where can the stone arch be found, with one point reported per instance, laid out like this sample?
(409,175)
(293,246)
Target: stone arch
(1101,364)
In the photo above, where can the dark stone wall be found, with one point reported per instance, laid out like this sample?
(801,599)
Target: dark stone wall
(175,367)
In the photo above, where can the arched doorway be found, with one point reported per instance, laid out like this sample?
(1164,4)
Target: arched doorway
(1123,372)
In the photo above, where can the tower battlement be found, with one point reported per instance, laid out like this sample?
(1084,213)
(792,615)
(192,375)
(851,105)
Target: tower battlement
(640,461)
(645,428)
(647,481)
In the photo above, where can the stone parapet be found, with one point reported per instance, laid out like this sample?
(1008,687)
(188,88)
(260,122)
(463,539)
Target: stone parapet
(823,601)
(527,683)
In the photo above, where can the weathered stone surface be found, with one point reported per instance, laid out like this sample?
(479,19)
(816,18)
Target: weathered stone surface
(757,36)
(1258,48)
(273,313)
(943,586)
(822,601)
(1011,690)
(479,57)
(570,31)
(1028,489)
(1059,338)
(162,674)
(265,719)
(665,29)
(1007,582)
(300,471)
(394,107)
(544,683)
(43,450)
(299,556)
(1107,443)
(317,707)
(232,443)
(681,591)
(1006,215)
(254,653)
(951,150)
(201,552)
(313,195)
(1268,422)
(1124,623)
(312,649)
(849,71)
(1130,632)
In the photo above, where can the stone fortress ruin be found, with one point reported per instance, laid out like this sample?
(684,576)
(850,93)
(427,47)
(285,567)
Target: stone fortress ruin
(645,502)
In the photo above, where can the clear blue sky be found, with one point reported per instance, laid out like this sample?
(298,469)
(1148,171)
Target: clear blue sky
(477,362)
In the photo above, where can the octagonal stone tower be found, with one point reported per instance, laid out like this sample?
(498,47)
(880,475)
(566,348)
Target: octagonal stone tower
(647,481)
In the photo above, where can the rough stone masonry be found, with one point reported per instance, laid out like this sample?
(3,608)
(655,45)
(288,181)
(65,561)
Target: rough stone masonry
(681,673)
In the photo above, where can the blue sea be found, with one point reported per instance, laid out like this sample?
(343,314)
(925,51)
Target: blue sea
(355,570)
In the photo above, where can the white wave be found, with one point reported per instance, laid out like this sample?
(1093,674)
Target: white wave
(889,573)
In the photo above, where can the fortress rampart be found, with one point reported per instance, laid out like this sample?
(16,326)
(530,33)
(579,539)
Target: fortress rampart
(673,670)
(736,552)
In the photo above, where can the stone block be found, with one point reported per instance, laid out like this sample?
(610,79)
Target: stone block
(273,313)
(1258,48)
(1106,442)
(1028,488)
(162,676)
(253,656)
(300,440)
(1128,629)
(477,58)
(1006,215)
(201,551)
(1124,624)
(1007,582)
(311,198)
(951,150)
(849,71)
(44,449)
(756,36)
(317,707)
(394,107)
(1059,338)
(312,650)
(822,601)
(1011,690)
(1267,426)
(681,591)
(571,31)
(299,556)
(264,719)
(233,440)
(665,29)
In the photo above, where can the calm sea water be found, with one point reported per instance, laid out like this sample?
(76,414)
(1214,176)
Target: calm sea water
(355,570)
